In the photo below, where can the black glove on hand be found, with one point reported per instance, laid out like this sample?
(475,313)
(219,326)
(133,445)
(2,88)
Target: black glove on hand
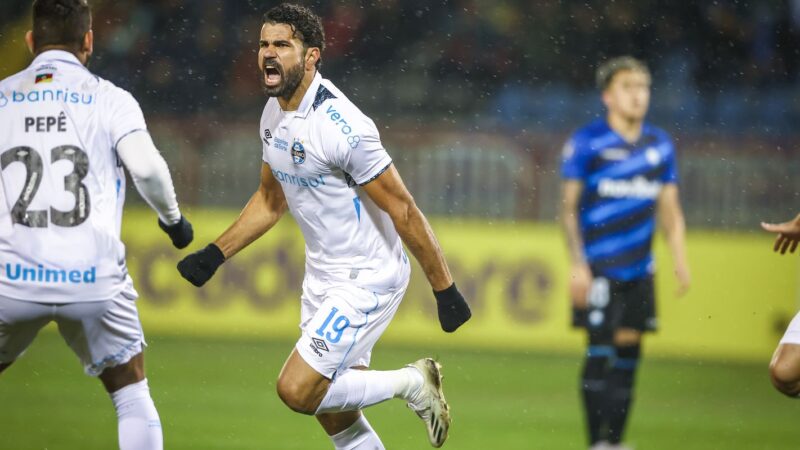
(453,309)
(200,266)
(181,233)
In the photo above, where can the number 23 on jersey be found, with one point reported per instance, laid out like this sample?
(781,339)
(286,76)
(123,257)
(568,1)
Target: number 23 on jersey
(34,172)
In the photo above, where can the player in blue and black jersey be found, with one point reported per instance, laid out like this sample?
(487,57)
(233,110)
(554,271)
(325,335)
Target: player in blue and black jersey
(619,174)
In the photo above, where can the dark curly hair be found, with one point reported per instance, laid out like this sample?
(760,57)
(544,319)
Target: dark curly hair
(305,24)
(60,22)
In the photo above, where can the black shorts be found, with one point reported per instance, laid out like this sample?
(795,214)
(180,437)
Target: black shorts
(618,304)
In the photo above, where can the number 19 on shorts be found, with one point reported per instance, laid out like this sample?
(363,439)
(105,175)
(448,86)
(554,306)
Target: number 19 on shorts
(337,328)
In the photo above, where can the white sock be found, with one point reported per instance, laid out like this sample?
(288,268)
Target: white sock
(139,425)
(356,389)
(359,436)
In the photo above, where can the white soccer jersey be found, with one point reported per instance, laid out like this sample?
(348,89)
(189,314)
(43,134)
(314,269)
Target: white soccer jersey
(321,154)
(62,186)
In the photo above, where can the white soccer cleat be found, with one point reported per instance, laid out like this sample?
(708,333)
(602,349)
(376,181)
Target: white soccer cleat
(430,404)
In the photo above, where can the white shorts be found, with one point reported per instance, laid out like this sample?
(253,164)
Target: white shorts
(792,335)
(102,333)
(340,324)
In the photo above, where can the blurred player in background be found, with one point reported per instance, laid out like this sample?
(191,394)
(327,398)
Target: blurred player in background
(64,136)
(618,171)
(323,159)
(785,365)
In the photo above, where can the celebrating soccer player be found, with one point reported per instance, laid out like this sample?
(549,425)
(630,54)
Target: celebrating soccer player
(785,365)
(617,173)
(64,136)
(324,161)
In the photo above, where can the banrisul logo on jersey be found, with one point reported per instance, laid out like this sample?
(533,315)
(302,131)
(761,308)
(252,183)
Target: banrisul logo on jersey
(53,95)
(298,152)
(3,99)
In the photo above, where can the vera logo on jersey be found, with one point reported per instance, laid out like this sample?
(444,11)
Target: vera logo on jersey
(298,152)
(344,127)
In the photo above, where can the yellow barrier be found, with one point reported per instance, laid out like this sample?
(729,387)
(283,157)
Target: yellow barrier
(512,274)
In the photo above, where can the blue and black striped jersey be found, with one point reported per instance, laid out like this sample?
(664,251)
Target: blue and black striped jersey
(621,182)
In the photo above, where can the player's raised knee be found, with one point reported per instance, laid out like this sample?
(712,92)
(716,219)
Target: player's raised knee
(785,377)
(297,396)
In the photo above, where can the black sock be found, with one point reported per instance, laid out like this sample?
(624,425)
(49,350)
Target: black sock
(594,387)
(620,388)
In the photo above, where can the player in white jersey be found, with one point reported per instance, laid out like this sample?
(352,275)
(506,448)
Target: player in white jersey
(65,135)
(785,365)
(323,159)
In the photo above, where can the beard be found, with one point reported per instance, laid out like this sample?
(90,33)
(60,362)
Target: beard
(288,85)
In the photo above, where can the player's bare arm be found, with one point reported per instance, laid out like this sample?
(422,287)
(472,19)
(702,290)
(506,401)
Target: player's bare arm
(261,213)
(788,235)
(670,215)
(580,274)
(391,195)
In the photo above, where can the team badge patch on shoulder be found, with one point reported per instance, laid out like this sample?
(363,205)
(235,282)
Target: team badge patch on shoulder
(298,152)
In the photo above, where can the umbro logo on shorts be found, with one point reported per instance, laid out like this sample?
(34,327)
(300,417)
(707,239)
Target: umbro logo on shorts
(320,344)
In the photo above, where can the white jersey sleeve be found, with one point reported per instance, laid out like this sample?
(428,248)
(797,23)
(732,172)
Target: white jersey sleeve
(354,147)
(124,116)
(150,174)
(266,125)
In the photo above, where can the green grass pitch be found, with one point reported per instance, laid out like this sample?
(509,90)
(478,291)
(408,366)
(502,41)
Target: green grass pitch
(220,394)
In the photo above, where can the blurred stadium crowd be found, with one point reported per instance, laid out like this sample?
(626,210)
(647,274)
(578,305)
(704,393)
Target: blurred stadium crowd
(465,56)
(519,73)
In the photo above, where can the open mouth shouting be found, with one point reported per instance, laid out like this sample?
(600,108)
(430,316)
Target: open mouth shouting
(273,74)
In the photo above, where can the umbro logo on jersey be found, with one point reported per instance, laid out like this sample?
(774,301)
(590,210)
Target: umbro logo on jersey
(267,136)
(298,153)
